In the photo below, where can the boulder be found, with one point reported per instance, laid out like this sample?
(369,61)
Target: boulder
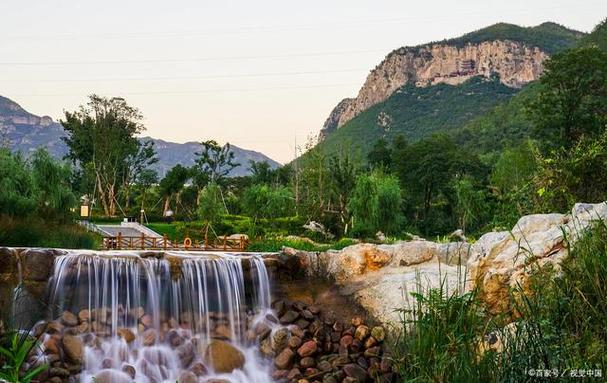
(73,347)
(223,357)
(284,360)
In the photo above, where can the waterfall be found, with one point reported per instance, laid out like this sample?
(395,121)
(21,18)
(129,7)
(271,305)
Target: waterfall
(152,319)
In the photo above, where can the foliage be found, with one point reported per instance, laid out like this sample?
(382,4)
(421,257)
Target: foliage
(570,175)
(263,201)
(214,161)
(559,324)
(551,37)
(470,202)
(418,112)
(172,184)
(101,137)
(18,196)
(14,350)
(376,204)
(572,100)
(211,205)
(34,232)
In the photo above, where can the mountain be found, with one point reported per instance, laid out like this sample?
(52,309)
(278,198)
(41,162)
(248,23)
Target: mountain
(25,132)
(512,54)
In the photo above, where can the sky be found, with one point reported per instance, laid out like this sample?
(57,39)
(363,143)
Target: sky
(262,75)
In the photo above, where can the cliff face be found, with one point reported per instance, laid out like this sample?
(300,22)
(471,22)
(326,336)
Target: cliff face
(514,62)
(332,121)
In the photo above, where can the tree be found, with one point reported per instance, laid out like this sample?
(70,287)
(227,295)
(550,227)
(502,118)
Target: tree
(470,201)
(101,137)
(211,205)
(145,179)
(261,172)
(342,178)
(572,100)
(172,184)
(17,196)
(376,204)
(51,181)
(380,155)
(136,164)
(264,201)
(215,161)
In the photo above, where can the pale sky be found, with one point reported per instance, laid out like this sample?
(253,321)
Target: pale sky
(258,74)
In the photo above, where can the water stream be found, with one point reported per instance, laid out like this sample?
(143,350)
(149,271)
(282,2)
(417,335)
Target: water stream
(151,319)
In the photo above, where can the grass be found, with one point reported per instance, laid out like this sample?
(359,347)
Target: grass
(34,232)
(558,325)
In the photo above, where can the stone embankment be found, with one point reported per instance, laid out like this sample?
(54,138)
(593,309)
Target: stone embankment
(381,277)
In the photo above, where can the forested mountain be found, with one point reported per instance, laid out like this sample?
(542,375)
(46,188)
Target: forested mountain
(441,86)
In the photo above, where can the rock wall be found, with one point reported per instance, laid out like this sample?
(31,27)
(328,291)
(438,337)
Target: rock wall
(381,277)
(515,63)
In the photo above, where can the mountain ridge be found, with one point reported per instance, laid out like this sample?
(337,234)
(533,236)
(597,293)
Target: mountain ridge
(23,131)
(514,53)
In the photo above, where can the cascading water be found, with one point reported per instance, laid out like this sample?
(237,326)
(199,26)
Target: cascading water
(183,317)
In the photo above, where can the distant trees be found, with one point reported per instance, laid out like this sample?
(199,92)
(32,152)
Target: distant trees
(38,186)
(572,101)
(376,204)
(101,138)
(265,201)
(215,162)
(172,184)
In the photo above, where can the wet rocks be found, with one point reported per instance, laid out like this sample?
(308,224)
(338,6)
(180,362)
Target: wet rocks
(223,357)
(73,347)
(324,349)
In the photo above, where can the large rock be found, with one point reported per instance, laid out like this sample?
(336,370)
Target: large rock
(223,357)
(37,264)
(73,347)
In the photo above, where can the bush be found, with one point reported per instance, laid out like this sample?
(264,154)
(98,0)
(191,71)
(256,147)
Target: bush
(33,232)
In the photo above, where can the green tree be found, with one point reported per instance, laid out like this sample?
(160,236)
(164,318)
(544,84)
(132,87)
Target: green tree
(376,204)
(144,181)
(572,100)
(17,196)
(211,204)
(261,172)
(380,155)
(470,202)
(101,137)
(172,184)
(342,179)
(264,201)
(215,161)
(52,186)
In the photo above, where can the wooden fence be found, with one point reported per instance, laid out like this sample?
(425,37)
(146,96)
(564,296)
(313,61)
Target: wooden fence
(143,242)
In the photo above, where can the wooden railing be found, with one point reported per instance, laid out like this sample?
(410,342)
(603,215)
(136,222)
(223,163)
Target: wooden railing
(143,242)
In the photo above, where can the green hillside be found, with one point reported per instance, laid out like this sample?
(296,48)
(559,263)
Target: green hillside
(477,111)
(418,112)
(549,36)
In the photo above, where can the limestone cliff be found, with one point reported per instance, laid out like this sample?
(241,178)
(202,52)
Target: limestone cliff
(515,63)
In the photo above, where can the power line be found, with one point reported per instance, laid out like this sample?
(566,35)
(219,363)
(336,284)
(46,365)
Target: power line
(268,74)
(185,60)
(199,91)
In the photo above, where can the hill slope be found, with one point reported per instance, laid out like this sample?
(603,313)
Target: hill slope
(25,132)
(515,54)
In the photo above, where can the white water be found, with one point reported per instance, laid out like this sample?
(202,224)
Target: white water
(193,297)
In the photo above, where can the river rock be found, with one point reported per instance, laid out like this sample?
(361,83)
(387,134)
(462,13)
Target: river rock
(307,349)
(72,345)
(284,360)
(355,371)
(289,317)
(186,354)
(378,333)
(129,370)
(149,337)
(280,339)
(112,376)
(362,332)
(187,377)
(223,357)
(126,334)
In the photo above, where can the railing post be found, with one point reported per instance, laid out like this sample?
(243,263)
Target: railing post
(142,241)
(164,238)
(225,243)
(119,241)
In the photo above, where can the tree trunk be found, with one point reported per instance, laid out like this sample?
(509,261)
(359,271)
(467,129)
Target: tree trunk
(166,206)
